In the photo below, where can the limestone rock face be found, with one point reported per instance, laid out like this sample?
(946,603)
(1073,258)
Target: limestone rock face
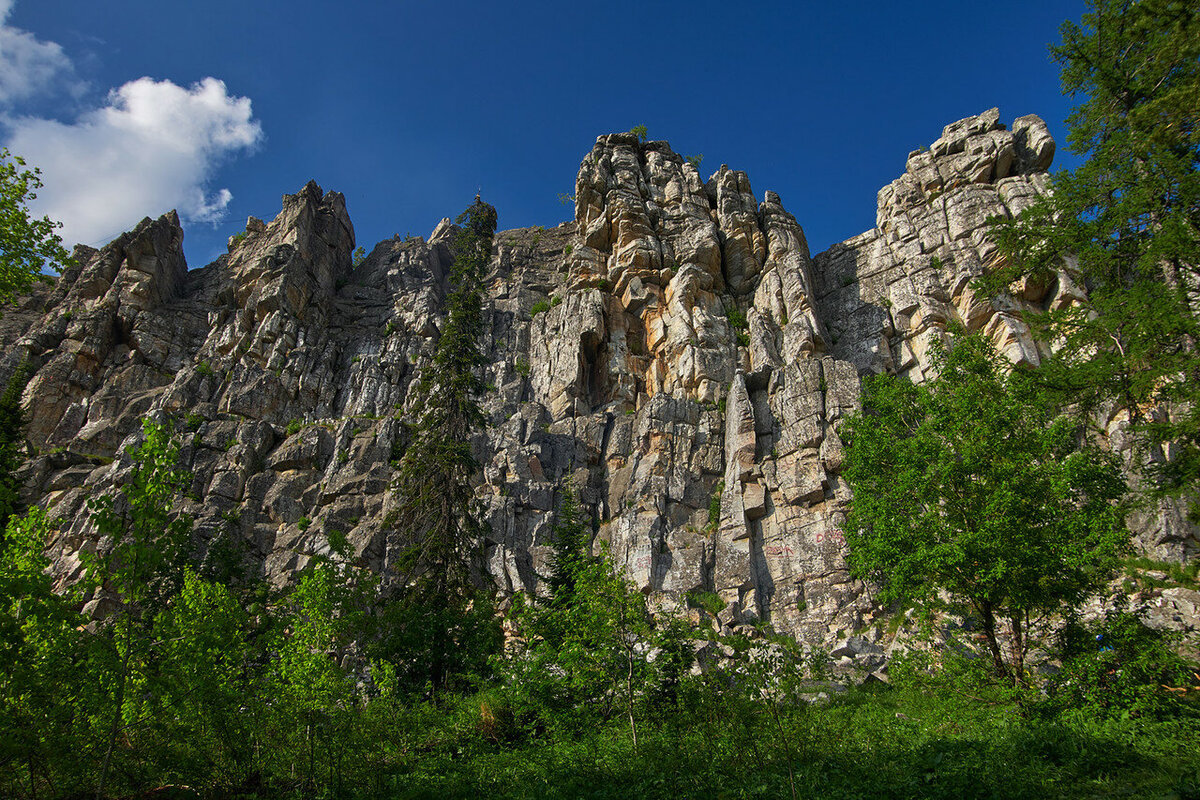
(686,369)
(888,294)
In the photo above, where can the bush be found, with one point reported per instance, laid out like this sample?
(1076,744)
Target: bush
(539,307)
(294,427)
(1120,666)
(714,504)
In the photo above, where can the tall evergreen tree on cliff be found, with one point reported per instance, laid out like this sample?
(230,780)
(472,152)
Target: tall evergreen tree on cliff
(436,516)
(1127,225)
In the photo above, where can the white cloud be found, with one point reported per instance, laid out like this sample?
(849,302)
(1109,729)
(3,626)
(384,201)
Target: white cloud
(151,148)
(29,66)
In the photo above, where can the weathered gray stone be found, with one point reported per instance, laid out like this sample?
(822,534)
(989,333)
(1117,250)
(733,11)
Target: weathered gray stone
(633,387)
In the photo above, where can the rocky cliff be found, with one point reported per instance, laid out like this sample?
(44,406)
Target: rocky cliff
(674,352)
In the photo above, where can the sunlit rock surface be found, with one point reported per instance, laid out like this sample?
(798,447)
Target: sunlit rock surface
(687,369)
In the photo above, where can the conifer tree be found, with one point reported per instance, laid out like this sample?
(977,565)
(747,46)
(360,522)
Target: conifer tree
(572,549)
(436,519)
(1126,225)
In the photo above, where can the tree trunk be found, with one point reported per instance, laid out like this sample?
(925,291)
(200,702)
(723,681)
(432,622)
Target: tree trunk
(989,631)
(1019,646)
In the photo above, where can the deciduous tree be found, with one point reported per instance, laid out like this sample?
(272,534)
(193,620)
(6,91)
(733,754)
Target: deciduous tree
(27,245)
(969,485)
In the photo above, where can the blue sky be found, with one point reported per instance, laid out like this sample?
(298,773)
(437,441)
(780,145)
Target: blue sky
(220,107)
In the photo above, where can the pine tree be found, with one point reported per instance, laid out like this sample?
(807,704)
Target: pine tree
(572,549)
(1126,225)
(436,518)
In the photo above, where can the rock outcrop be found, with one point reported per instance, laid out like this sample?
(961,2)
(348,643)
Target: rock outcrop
(673,352)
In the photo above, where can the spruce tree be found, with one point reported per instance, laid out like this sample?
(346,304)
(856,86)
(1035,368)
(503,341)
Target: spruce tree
(572,549)
(436,518)
(1126,225)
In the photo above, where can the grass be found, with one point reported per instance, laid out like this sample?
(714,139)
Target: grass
(863,744)
(1185,575)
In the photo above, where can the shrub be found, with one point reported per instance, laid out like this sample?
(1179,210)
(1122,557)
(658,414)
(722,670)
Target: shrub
(714,504)
(304,523)
(539,307)
(1119,666)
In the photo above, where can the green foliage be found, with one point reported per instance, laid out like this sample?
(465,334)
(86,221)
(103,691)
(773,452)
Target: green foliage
(639,131)
(695,160)
(204,370)
(145,547)
(522,367)
(539,307)
(714,502)
(205,676)
(322,618)
(303,524)
(293,427)
(1119,666)
(968,485)
(27,245)
(12,441)
(1177,574)
(146,539)
(572,543)
(358,257)
(40,649)
(236,240)
(436,516)
(1124,224)
(737,321)
(582,663)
